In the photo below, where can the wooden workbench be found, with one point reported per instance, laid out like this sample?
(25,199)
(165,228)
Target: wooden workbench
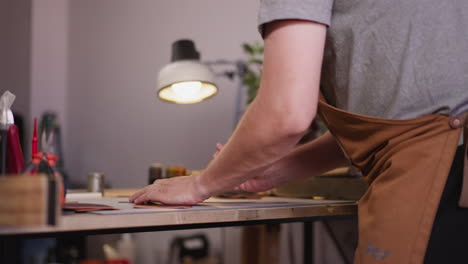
(224,213)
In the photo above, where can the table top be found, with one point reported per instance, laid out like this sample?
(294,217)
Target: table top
(214,212)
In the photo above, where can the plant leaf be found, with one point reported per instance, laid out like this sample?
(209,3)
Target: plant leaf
(248,48)
(256,61)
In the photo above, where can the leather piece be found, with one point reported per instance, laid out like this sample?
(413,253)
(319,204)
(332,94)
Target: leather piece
(86,207)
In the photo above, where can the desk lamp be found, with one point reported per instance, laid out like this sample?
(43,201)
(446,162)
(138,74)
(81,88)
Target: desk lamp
(185,80)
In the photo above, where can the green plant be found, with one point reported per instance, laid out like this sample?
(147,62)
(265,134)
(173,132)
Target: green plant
(253,71)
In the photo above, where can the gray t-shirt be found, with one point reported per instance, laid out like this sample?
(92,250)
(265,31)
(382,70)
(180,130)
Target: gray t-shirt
(393,59)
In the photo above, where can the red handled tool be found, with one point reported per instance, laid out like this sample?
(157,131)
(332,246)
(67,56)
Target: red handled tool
(47,164)
(15,153)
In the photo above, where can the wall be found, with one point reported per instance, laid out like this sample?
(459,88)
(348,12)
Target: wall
(15,36)
(49,60)
(116,124)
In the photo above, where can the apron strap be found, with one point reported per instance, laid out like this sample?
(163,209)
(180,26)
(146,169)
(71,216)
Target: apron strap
(322,97)
(461,121)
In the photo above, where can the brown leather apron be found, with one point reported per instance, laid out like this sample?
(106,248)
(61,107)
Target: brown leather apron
(406,163)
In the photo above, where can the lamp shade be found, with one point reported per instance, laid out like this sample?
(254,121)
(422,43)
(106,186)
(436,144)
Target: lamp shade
(185,80)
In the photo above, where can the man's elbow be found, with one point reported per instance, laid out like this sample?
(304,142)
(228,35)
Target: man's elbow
(296,125)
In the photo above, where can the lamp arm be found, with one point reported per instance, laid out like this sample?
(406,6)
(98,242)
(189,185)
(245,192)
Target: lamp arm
(239,72)
(241,68)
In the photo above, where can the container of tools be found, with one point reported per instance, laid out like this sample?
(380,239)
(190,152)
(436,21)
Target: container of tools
(29,200)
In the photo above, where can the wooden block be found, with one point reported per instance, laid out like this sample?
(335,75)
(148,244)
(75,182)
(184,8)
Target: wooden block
(24,201)
(338,184)
(119,192)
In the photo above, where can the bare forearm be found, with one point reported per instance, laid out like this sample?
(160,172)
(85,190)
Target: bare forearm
(249,151)
(284,108)
(311,159)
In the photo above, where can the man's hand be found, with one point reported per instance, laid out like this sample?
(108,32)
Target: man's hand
(261,183)
(258,184)
(180,190)
(268,180)
(219,147)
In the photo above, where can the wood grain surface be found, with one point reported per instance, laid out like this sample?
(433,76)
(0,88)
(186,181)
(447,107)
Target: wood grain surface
(173,218)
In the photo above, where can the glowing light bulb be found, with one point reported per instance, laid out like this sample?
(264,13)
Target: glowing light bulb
(186,89)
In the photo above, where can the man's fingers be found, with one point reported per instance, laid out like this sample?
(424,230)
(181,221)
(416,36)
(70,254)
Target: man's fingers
(143,198)
(219,146)
(137,194)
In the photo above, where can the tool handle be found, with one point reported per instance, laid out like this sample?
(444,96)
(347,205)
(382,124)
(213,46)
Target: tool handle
(34,139)
(15,162)
(3,151)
